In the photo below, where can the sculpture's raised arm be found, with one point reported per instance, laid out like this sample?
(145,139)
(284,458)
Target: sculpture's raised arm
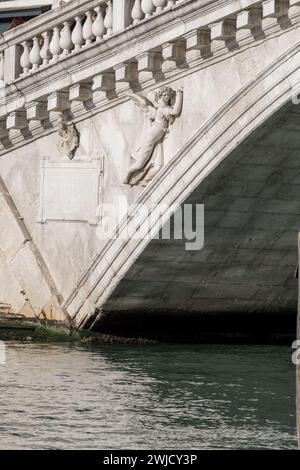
(177,108)
(140,101)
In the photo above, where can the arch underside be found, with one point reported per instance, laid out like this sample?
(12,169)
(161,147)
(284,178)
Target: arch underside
(242,283)
(242,164)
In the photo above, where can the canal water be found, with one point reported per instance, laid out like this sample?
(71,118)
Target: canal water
(147,397)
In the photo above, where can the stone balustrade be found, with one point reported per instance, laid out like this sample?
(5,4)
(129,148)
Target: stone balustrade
(68,55)
(67,36)
(94,22)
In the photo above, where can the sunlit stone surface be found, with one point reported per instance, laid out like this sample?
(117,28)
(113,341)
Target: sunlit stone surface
(234,147)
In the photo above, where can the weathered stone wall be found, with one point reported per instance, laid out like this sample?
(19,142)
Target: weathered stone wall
(68,248)
(25,282)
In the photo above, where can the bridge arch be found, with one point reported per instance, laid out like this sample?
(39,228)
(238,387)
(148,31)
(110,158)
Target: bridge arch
(214,141)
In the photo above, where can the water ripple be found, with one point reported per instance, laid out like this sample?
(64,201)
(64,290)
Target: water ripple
(145,397)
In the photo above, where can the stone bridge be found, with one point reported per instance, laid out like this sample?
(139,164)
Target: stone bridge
(80,85)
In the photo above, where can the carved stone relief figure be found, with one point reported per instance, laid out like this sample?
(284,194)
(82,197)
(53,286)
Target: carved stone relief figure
(69,138)
(148,159)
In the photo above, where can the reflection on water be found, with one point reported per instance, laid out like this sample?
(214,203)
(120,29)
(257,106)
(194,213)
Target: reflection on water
(142,397)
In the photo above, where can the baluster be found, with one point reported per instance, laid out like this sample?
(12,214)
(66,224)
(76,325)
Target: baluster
(148,8)
(55,48)
(35,55)
(159,4)
(87,31)
(98,27)
(1,67)
(137,13)
(65,38)
(25,61)
(77,37)
(45,51)
(108,20)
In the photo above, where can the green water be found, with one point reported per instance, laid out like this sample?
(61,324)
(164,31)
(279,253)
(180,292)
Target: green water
(142,397)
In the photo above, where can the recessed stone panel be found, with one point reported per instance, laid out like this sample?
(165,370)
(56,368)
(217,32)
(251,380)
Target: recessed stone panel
(70,191)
